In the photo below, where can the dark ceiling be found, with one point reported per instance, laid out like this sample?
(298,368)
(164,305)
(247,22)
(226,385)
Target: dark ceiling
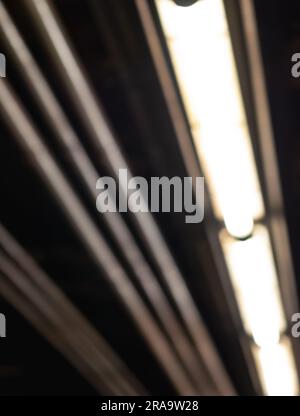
(108,38)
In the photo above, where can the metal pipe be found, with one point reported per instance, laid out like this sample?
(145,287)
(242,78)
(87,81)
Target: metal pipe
(104,141)
(73,318)
(67,137)
(32,143)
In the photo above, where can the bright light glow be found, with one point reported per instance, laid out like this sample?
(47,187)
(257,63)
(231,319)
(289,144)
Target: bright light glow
(277,369)
(201,52)
(254,279)
(202,56)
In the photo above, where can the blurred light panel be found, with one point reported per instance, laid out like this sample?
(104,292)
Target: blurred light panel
(202,56)
(277,369)
(254,279)
(201,52)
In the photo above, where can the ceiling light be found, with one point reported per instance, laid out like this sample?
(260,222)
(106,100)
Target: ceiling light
(201,51)
(254,280)
(277,369)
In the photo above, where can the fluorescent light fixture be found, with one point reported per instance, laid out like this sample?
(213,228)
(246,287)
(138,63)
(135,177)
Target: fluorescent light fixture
(254,279)
(201,51)
(276,366)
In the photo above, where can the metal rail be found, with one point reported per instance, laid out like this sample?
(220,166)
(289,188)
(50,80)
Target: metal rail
(91,113)
(68,139)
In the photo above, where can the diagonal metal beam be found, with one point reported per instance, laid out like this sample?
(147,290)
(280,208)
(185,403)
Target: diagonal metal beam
(49,331)
(90,111)
(67,137)
(40,281)
(32,143)
(46,307)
